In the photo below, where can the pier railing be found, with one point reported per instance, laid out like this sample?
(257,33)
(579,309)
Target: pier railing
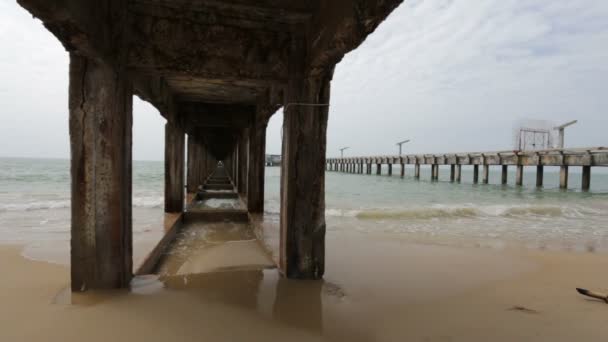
(583,157)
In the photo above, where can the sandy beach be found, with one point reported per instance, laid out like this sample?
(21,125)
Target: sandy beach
(389,290)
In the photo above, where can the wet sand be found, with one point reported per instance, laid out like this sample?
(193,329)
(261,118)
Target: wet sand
(375,289)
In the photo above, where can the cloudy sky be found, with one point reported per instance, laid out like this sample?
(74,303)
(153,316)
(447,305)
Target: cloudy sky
(452,75)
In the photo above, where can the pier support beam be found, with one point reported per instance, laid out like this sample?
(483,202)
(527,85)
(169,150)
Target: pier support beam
(586,180)
(452,172)
(257,158)
(378,169)
(458,173)
(475,174)
(390,169)
(302,251)
(417,171)
(402,170)
(519,175)
(504,177)
(435,172)
(174,168)
(563,177)
(540,169)
(486,174)
(100,102)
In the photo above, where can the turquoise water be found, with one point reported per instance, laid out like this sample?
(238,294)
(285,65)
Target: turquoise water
(34,205)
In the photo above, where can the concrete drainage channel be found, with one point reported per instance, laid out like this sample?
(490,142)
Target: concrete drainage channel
(213,234)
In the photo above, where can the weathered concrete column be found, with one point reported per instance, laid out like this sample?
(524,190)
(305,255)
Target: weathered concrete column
(257,156)
(539,175)
(402,170)
(174,168)
(378,169)
(243,162)
(202,162)
(504,175)
(196,166)
(435,172)
(519,175)
(563,177)
(190,165)
(302,251)
(458,173)
(486,174)
(586,180)
(417,171)
(390,169)
(100,102)
(452,172)
(475,174)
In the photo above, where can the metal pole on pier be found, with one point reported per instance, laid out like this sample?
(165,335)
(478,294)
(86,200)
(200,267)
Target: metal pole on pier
(342,151)
(560,129)
(401,143)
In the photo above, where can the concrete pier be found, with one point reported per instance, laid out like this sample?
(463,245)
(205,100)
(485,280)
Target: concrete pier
(216,71)
(564,158)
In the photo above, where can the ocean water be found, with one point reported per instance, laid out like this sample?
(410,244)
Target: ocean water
(35,201)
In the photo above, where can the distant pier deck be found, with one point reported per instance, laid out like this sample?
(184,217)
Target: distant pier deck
(564,158)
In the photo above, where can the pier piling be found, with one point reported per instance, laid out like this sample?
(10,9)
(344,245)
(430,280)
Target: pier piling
(504,177)
(475,174)
(586,177)
(486,174)
(540,169)
(563,177)
(519,175)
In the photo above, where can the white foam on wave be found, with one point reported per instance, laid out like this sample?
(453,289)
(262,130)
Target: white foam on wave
(473,211)
(138,202)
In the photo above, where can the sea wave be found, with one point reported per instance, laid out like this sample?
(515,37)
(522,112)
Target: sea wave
(138,202)
(455,212)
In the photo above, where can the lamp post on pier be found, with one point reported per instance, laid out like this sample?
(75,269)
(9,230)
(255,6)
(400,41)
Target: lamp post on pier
(560,129)
(401,143)
(342,151)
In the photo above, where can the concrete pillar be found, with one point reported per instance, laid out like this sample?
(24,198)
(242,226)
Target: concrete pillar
(563,177)
(586,181)
(243,162)
(402,170)
(174,168)
(486,174)
(475,174)
(378,169)
(302,250)
(417,171)
(434,172)
(539,175)
(519,175)
(504,175)
(458,173)
(100,104)
(452,172)
(192,164)
(235,163)
(390,169)
(257,157)
(203,166)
